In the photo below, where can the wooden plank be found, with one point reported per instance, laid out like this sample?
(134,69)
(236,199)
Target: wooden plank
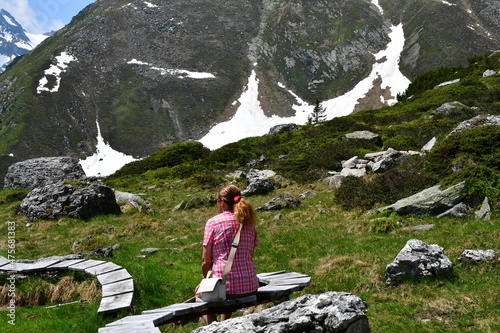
(82,266)
(64,264)
(23,267)
(142,319)
(129,329)
(180,309)
(234,301)
(116,302)
(4,261)
(276,292)
(282,276)
(117,288)
(303,282)
(101,269)
(114,276)
(263,275)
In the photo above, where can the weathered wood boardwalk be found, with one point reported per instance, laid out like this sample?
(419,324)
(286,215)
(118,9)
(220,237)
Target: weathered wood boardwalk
(117,284)
(118,290)
(275,286)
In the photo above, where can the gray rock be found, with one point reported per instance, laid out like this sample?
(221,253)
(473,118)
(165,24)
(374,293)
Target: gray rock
(422,227)
(306,194)
(364,135)
(333,312)
(447,108)
(417,260)
(336,181)
(431,201)
(484,212)
(259,182)
(459,210)
(280,202)
(283,127)
(134,199)
(42,171)
(481,120)
(489,72)
(477,256)
(79,201)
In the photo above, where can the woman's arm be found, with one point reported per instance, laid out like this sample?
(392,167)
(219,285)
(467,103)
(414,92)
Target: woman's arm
(206,260)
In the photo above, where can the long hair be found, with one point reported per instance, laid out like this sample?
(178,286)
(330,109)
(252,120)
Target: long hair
(242,208)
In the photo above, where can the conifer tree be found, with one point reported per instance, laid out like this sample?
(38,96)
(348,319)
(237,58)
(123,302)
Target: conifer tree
(318,113)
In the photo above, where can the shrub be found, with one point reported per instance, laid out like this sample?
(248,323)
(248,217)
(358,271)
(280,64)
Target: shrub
(401,142)
(170,156)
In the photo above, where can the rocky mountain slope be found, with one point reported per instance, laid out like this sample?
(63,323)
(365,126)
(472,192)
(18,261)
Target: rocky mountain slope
(153,73)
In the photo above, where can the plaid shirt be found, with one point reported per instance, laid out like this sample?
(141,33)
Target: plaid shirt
(220,231)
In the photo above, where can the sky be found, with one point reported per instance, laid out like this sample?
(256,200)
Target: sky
(40,16)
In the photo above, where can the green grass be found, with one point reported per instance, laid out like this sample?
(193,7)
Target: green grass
(341,251)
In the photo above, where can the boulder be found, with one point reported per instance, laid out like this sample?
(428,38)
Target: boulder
(42,171)
(481,120)
(417,260)
(431,201)
(364,135)
(484,213)
(134,199)
(477,256)
(450,107)
(258,182)
(74,200)
(280,202)
(329,312)
(283,127)
(459,210)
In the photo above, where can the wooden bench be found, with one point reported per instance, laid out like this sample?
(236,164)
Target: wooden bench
(117,284)
(275,287)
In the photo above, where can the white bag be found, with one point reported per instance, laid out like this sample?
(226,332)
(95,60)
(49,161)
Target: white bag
(212,290)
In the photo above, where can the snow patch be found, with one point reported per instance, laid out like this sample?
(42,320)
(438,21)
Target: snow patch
(106,160)
(150,5)
(250,119)
(9,21)
(375,2)
(55,70)
(181,73)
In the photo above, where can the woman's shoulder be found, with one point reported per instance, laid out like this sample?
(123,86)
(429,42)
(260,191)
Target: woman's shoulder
(222,217)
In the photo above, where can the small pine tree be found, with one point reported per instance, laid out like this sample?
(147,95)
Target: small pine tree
(317,115)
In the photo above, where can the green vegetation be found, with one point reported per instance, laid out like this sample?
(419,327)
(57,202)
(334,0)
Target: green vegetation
(328,237)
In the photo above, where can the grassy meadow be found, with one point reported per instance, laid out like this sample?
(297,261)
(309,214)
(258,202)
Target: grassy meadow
(341,251)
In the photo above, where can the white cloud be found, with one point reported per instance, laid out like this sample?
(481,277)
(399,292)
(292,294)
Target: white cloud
(33,22)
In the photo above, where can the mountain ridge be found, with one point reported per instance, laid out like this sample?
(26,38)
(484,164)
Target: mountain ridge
(319,50)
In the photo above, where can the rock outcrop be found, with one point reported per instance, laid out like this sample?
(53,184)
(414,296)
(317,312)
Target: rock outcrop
(431,201)
(42,171)
(418,260)
(329,312)
(57,200)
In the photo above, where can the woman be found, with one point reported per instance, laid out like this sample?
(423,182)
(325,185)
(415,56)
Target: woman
(219,234)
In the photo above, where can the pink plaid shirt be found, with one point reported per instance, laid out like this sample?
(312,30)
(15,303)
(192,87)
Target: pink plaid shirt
(219,234)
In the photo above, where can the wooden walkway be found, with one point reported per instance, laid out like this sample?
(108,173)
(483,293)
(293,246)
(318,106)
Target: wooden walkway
(117,284)
(118,290)
(276,286)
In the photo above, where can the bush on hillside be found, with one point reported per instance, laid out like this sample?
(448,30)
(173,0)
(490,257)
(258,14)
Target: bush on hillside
(170,156)
(383,189)
(401,142)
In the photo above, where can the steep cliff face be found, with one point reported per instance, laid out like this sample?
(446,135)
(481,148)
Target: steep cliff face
(158,72)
